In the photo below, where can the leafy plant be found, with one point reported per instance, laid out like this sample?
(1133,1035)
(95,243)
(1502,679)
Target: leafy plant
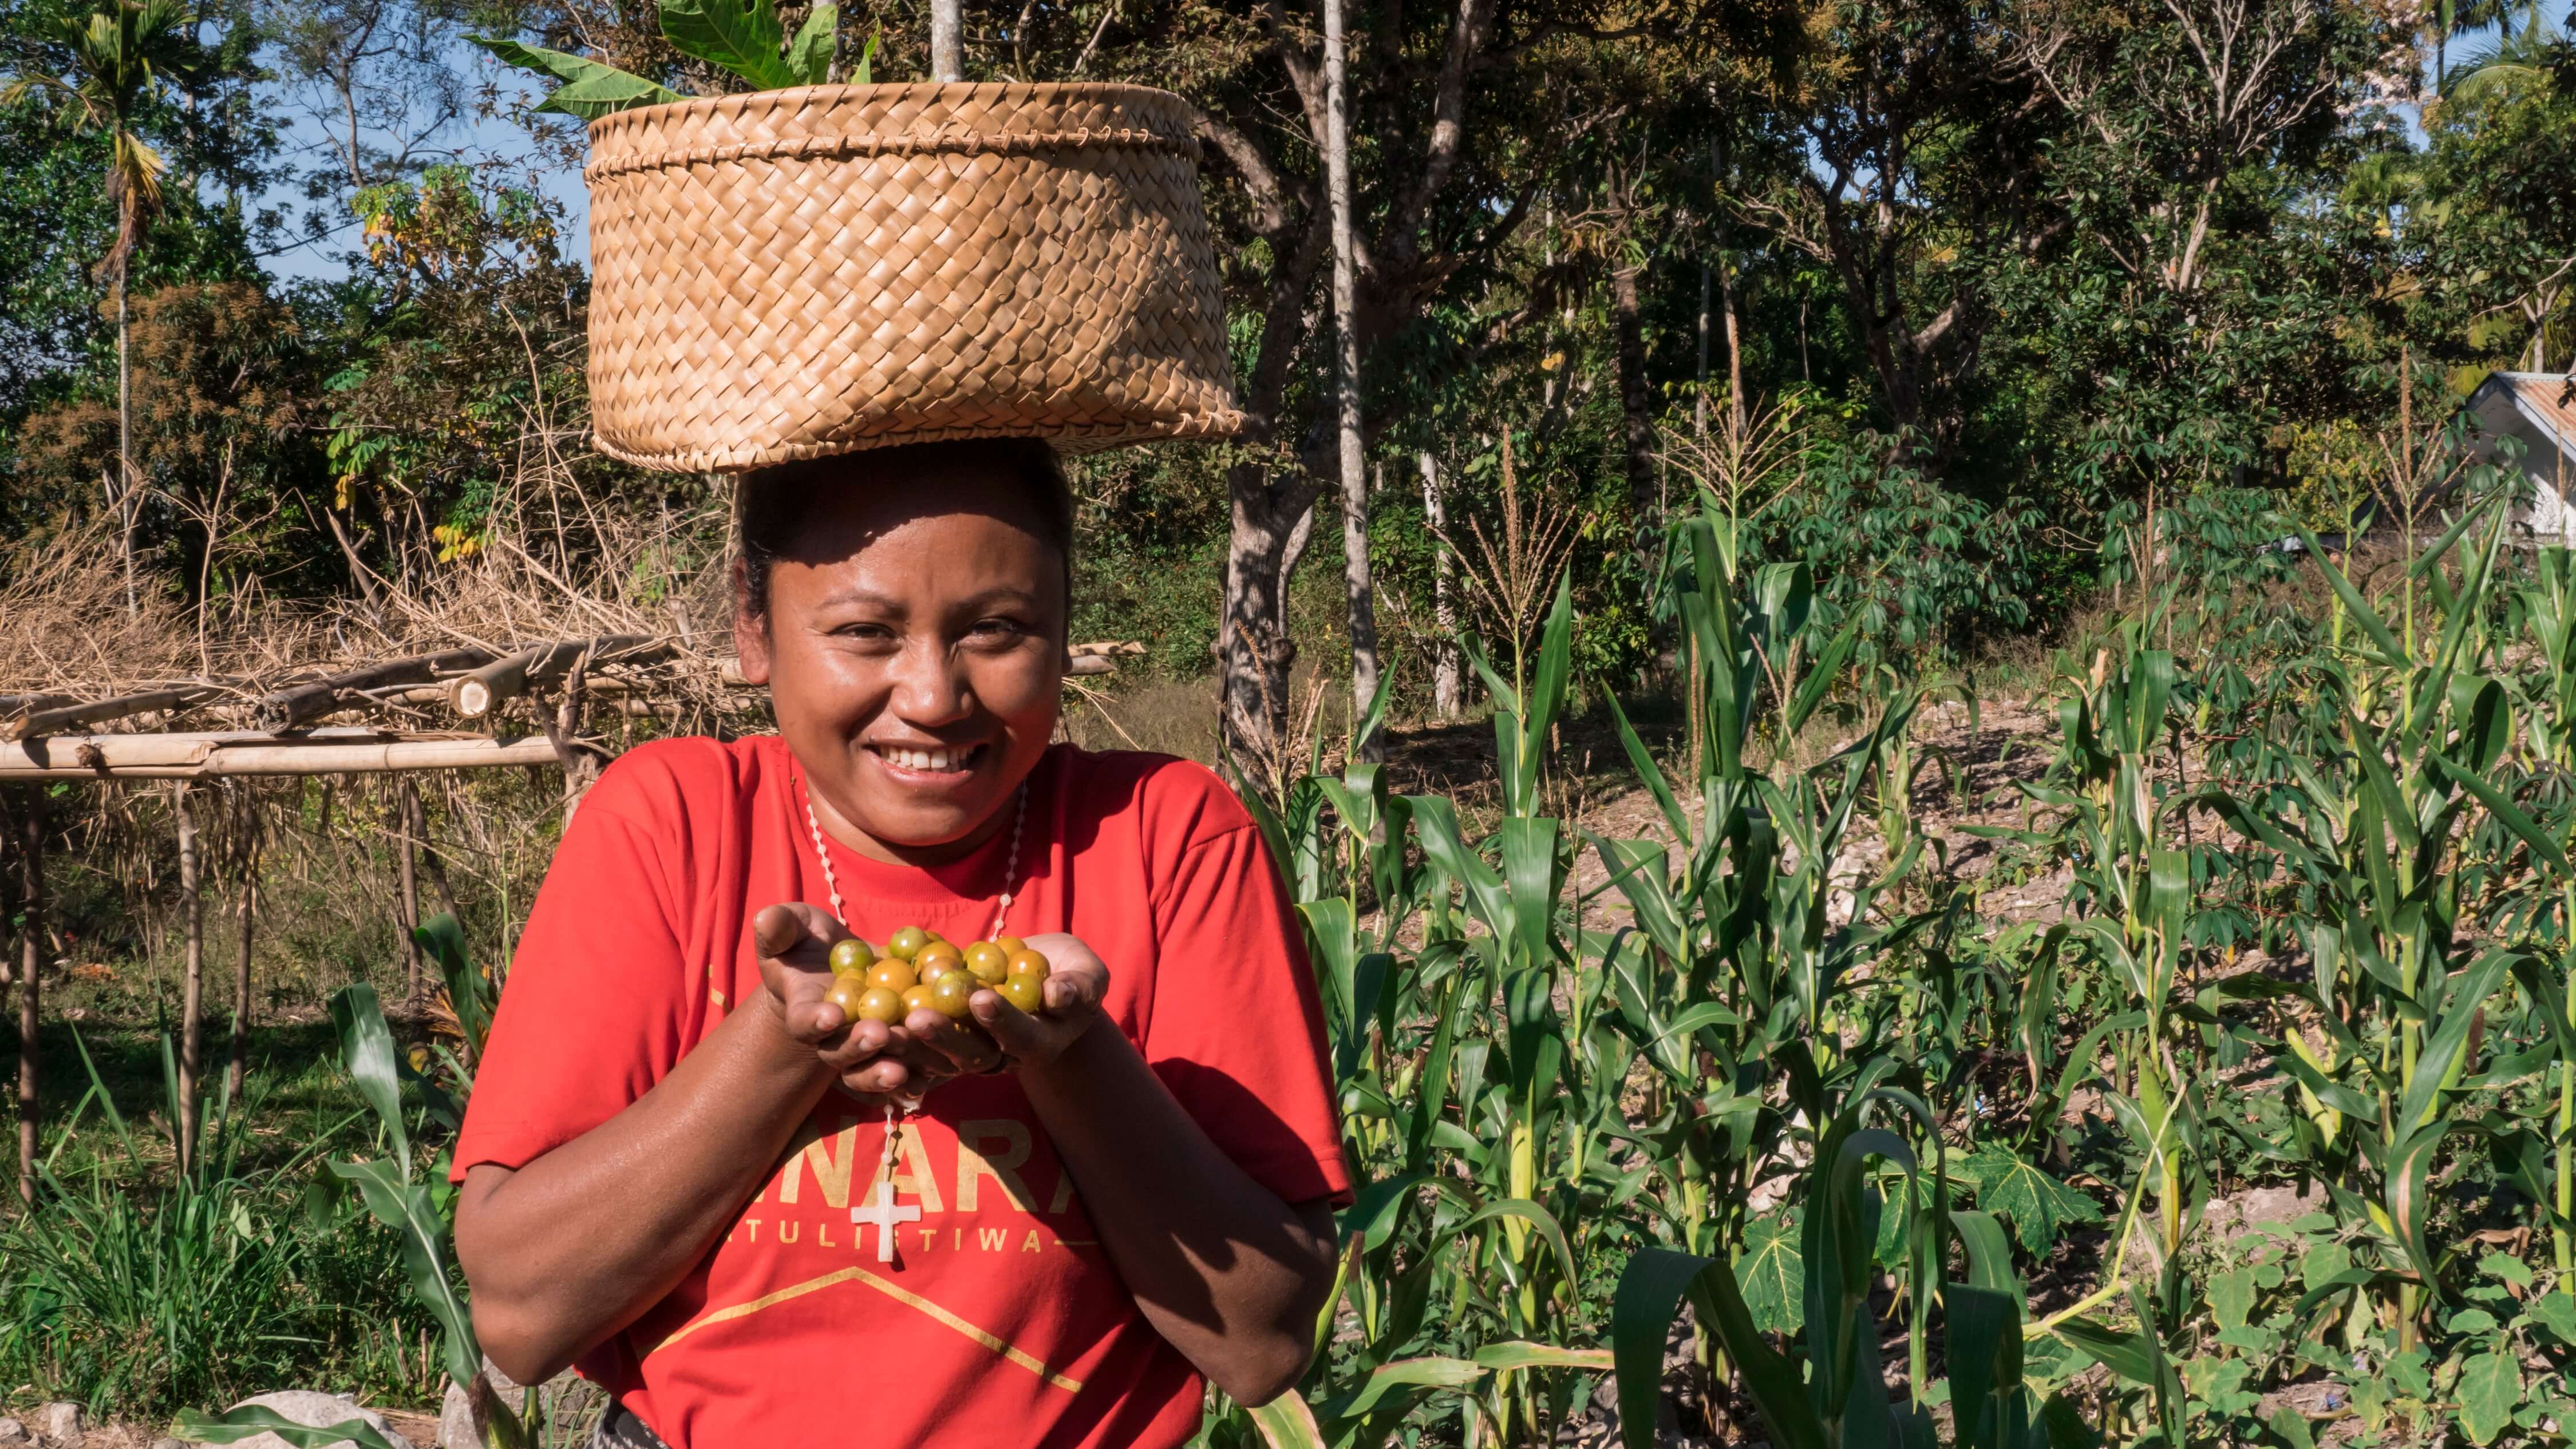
(743,37)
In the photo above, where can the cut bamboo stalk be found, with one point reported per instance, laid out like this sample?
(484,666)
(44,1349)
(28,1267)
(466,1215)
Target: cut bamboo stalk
(31,961)
(68,717)
(410,890)
(91,752)
(292,706)
(478,693)
(238,1058)
(192,1031)
(378,756)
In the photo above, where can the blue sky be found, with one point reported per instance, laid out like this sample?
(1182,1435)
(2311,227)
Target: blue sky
(491,138)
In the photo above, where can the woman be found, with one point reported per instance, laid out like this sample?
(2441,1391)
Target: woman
(676,1167)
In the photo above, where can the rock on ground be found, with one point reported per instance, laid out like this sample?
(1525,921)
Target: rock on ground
(318,1410)
(564,1400)
(13,1432)
(60,1424)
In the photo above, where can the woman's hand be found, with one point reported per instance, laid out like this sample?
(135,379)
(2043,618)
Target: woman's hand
(870,1058)
(1074,991)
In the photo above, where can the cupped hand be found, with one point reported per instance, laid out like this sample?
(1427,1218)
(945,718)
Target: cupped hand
(794,943)
(1074,991)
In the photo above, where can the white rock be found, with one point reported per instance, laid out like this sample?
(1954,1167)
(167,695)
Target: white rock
(61,1423)
(12,1432)
(306,1407)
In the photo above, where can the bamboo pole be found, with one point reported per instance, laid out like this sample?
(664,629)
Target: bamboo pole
(294,705)
(185,757)
(74,716)
(192,905)
(411,831)
(237,1058)
(481,691)
(31,946)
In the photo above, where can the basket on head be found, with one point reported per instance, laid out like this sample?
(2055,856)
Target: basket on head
(803,272)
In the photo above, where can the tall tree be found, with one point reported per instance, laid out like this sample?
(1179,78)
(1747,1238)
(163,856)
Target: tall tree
(120,62)
(1922,141)
(1359,586)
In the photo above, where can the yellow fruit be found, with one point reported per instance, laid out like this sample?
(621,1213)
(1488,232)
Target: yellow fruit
(851,956)
(845,994)
(879,1005)
(950,993)
(1028,993)
(905,942)
(988,961)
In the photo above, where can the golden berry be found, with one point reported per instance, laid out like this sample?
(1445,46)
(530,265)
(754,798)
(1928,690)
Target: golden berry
(1028,993)
(851,955)
(950,993)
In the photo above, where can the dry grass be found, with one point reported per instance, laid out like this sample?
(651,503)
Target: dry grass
(562,565)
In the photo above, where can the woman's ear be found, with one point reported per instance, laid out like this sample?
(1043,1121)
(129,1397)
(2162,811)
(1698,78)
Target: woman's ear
(750,630)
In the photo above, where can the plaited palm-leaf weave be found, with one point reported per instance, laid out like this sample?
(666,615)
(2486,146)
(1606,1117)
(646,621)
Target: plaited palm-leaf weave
(803,272)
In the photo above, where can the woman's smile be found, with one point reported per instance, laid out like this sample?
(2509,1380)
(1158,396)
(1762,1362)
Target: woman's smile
(928,767)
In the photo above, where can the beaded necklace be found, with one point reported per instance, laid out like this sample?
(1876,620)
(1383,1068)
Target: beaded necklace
(882,1213)
(1010,867)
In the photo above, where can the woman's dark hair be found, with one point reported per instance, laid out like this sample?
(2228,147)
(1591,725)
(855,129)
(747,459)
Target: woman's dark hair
(771,504)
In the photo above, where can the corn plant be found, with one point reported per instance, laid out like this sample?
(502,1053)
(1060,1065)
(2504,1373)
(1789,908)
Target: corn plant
(417,1205)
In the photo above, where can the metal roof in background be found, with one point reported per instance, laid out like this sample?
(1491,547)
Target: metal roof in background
(2545,400)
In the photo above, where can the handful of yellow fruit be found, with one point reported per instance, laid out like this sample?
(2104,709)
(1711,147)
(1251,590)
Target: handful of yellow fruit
(920,968)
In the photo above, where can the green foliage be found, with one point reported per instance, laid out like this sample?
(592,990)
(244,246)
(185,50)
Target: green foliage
(741,36)
(139,1297)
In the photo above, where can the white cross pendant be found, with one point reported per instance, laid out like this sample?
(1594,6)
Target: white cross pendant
(882,1214)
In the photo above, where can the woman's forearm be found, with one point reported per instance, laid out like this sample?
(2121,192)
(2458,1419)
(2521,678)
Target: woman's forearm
(1228,1273)
(571,1248)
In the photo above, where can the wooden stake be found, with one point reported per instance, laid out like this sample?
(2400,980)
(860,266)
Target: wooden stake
(238,1058)
(192,904)
(411,831)
(31,946)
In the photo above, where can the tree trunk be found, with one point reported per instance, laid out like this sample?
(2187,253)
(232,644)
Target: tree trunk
(1359,586)
(1265,537)
(1635,401)
(947,40)
(31,961)
(1699,408)
(192,905)
(1725,301)
(1444,613)
(410,890)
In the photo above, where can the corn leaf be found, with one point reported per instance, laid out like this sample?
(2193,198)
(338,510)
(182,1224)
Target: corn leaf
(1286,1422)
(367,1055)
(252,1421)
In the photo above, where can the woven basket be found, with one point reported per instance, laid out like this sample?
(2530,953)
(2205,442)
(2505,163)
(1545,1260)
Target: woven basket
(812,271)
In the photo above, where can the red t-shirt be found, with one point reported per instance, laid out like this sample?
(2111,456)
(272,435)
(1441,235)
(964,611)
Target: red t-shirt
(1001,1322)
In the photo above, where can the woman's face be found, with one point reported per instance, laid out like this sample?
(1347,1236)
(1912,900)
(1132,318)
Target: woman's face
(914,653)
